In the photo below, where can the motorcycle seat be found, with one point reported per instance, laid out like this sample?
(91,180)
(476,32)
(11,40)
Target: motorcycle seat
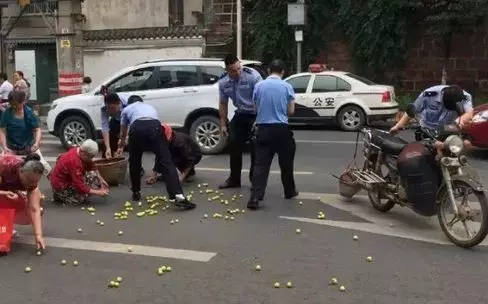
(389,144)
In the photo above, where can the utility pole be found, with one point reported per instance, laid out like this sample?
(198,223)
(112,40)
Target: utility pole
(239,28)
(69,42)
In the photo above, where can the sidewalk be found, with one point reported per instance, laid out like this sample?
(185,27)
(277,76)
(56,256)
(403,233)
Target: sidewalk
(43,120)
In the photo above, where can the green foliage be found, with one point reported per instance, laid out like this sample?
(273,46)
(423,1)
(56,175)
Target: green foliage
(403,101)
(377,31)
(270,36)
(447,17)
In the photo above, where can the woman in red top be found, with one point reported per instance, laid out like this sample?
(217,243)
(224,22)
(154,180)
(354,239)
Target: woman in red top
(74,176)
(17,176)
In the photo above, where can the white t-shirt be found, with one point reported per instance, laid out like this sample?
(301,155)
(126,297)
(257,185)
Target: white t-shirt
(5,88)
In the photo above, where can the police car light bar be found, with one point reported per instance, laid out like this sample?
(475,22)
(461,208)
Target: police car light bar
(317,68)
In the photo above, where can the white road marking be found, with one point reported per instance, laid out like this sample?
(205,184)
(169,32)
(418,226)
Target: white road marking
(306,141)
(52,159)
(247,170)
(399,222)
(371,228)
(50,142)
(160,252)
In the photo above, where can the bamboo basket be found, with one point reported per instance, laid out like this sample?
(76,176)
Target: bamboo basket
(113,170)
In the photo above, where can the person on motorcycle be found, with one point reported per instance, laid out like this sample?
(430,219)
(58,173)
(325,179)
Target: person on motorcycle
(438,106)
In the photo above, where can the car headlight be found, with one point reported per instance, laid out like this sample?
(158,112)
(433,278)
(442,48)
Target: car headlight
(455,144)
(53,106)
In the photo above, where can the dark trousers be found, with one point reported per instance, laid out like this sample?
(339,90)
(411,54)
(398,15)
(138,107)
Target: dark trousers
(145,135)
(240,132)
(113,135)
(271,139)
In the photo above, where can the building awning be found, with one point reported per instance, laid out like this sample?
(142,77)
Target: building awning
(178,32)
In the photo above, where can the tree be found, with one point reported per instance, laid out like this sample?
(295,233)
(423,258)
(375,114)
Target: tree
(376,31)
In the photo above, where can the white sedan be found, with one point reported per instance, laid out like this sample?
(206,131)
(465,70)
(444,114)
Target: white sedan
(350,100)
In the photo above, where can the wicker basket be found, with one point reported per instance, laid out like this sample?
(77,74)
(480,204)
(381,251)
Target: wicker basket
(113,170)
(348,184)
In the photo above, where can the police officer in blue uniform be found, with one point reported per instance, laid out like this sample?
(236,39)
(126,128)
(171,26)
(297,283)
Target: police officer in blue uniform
(440,105)
(237,84)
(141,121)
(110,115)
(275,101)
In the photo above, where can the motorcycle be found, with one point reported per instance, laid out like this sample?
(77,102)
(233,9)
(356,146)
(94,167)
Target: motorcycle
(426,176)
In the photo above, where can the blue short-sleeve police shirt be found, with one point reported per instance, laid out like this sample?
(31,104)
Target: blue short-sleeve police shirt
(240,89)
(432,112)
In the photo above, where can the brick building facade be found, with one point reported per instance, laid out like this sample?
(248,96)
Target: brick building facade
(467,64)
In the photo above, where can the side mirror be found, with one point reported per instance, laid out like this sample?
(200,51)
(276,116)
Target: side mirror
(411,110)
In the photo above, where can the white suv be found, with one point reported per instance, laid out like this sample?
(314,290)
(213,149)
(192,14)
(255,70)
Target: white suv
(184,92)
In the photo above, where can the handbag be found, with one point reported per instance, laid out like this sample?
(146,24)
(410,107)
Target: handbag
(6,229)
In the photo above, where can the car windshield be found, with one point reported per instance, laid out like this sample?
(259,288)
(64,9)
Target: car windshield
(361,79)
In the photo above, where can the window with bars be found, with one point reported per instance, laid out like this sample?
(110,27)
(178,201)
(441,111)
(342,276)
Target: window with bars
(176,14)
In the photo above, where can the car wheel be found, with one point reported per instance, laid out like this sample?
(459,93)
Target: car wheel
(351,118)
(205,130)
(74,130)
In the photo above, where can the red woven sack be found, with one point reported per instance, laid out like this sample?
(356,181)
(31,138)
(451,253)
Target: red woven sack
(6,228)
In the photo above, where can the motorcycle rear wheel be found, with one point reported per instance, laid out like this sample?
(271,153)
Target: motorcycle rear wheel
(378,203)
(483,231)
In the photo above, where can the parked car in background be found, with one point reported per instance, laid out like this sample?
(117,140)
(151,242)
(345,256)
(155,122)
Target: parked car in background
(349,100)
(184,92)
(477,130)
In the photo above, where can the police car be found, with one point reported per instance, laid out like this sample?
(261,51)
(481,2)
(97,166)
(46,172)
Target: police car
(183,91)
(349,100)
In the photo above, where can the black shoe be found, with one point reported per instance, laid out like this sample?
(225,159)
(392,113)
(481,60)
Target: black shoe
(230,184)
(253,204)
(136,196)
(185,204)
(292,195)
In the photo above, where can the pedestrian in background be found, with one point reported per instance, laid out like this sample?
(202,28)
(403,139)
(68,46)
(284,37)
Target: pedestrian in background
(21,84)
(141,121)
(86,85)
(275,101)
(5,88)
(20,132)
(237,84)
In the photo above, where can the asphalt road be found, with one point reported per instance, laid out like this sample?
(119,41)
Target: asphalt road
(213,260)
